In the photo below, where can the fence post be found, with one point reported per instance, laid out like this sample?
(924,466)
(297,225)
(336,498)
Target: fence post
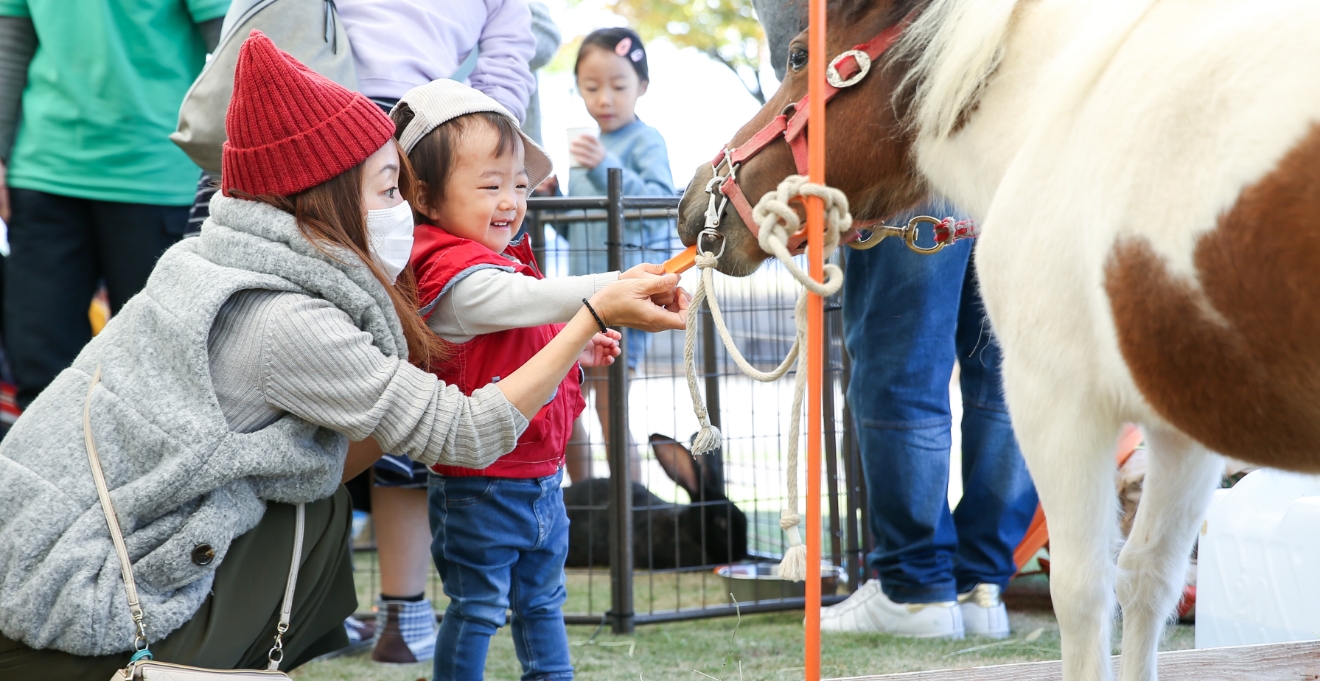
(859,531)
(536,232)
(710,366)
(859,528)
(621,526)
(833,329)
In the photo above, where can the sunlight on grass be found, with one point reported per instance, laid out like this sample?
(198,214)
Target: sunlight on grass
(769,647)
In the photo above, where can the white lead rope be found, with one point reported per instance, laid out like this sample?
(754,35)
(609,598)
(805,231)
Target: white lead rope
(777,220)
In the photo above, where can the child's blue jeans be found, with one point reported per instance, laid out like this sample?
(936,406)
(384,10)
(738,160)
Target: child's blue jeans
(500,544)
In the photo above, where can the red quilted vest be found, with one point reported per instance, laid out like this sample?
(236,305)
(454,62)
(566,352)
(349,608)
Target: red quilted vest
(441,259)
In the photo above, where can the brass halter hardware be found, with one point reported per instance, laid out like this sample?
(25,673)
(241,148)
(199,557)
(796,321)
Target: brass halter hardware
(908,233)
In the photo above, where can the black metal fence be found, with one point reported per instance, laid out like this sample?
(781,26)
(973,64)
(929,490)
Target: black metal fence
(647,545)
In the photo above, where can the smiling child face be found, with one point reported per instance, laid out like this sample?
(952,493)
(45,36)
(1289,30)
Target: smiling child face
(485,196)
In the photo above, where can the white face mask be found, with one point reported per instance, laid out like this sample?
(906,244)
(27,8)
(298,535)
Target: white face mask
(390,232)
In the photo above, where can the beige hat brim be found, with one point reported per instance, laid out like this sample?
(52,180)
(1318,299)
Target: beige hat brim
(440,101)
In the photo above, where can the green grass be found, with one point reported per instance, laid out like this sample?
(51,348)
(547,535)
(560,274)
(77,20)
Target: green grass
(768,647)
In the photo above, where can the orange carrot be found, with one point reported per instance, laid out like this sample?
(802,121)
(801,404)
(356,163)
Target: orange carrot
(683,261)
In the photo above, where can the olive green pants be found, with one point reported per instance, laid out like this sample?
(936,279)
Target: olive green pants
(235,627)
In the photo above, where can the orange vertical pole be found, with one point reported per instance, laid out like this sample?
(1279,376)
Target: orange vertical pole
(815,324)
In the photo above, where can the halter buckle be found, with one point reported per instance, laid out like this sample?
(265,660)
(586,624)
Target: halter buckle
(717,199)
(835,79)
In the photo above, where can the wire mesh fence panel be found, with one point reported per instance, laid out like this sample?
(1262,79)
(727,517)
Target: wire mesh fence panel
(692,516)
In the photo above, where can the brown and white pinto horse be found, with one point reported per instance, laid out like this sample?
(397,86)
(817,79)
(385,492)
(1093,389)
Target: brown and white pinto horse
(1146,174)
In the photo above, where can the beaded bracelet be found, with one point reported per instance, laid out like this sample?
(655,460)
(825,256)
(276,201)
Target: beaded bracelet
(599,322)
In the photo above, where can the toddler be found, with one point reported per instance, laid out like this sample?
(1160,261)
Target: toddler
(499,534)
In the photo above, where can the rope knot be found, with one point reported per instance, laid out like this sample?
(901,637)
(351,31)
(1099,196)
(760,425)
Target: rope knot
(708,439)
(778,221)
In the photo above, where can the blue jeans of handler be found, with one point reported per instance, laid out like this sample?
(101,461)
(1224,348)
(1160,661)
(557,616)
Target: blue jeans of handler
(500,544)
(907,318)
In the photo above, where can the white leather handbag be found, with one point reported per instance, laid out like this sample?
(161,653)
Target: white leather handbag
(142,667)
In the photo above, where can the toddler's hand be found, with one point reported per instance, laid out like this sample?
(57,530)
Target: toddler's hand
(602,350)
(587,150)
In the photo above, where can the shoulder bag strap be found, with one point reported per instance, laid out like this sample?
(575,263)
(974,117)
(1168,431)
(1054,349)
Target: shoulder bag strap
(140,644)
(111,520)
(276,654)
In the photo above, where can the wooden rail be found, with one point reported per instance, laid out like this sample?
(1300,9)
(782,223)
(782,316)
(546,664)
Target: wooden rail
(1272,662)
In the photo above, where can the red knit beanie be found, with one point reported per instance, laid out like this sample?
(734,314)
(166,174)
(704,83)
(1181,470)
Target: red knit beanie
(291,128)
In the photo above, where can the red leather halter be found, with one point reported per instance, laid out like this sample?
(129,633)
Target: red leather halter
(845,70)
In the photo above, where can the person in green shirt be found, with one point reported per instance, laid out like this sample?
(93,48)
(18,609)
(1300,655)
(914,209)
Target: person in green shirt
(91,187)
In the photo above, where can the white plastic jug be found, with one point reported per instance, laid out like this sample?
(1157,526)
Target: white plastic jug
(1258,566)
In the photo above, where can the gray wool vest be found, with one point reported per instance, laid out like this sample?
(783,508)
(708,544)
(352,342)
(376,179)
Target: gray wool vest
(177,475)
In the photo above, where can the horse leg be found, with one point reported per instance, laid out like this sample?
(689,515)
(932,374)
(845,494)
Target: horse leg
(1068,444)
(1180,477)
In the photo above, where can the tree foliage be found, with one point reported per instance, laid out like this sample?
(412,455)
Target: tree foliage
(725,30)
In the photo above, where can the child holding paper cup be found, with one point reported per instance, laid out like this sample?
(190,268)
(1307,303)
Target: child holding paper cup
(612,73)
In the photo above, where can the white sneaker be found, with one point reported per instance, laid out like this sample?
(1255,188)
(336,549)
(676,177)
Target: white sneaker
(868,610)
(983,614)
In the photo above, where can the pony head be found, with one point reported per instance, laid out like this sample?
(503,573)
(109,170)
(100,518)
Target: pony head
(868,138)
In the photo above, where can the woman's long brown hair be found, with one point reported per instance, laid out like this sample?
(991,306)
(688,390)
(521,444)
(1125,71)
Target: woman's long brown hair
(331,214)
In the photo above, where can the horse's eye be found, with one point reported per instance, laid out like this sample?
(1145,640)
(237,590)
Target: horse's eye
(797,58)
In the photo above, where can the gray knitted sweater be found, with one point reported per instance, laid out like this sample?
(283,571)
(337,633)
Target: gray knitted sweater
(179,475)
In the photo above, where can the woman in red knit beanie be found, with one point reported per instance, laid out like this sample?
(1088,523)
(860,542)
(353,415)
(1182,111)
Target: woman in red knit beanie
(229,390)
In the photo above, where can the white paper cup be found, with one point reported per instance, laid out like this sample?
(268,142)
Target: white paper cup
(574,133)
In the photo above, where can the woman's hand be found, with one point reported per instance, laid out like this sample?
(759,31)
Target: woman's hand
(642,271)
(587,150)
(649,269)
(625,303)
(601,349)
(631,303)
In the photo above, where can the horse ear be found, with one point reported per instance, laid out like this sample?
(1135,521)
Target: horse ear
(677,462)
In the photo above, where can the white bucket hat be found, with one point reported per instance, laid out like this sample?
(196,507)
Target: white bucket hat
(440,101)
